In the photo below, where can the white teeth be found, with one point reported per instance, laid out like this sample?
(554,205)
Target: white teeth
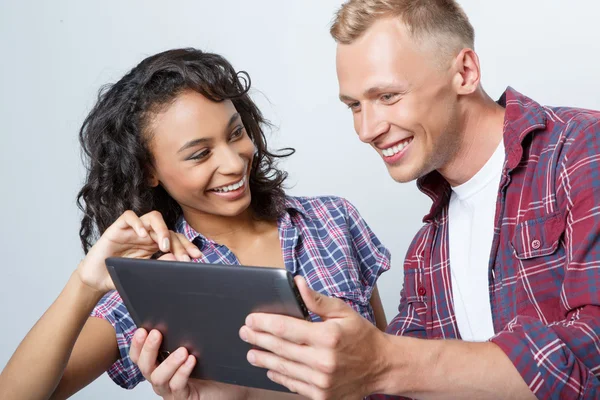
(230,188)
(396,149)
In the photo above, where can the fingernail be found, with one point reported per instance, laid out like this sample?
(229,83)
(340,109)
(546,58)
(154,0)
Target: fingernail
(251,358)
(186,258)
(249,321)
(190,360)
(179,354)
(154,336)
(138,336)
(244,335)
(270,375)
(165,244)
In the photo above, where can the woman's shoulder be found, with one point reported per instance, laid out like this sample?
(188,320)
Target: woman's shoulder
(112,308)
(319,207)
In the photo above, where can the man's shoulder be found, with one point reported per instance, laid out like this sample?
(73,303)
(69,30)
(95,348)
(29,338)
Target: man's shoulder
(571,121)
(560,131)
(570,134)
(551,125)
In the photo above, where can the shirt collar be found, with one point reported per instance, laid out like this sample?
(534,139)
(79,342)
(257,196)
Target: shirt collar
(522,117)
(292,206)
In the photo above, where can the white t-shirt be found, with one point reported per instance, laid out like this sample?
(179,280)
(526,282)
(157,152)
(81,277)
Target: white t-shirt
(471,230)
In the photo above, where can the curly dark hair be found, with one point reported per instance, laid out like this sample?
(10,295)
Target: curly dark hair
(114,138)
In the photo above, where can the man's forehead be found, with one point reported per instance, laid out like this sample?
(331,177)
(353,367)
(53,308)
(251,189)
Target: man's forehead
(381,31)
(380,48)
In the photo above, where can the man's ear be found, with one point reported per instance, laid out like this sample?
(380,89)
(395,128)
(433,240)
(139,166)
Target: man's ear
(468,72)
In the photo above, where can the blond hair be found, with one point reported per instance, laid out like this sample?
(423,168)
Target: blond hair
(441,20)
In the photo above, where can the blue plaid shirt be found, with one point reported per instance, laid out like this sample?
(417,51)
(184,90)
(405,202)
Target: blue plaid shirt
(324,239)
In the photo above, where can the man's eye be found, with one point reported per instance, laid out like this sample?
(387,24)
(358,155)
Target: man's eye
(354,106)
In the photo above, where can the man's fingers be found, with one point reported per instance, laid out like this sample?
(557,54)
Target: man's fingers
(281,347)
(323,306)
(295,386)
(291,329)
(286,367)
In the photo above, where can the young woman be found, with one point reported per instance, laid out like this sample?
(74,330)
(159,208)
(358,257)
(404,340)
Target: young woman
(179,142)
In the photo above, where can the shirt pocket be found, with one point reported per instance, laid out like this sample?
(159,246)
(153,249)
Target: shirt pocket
(538,237)
(416,292)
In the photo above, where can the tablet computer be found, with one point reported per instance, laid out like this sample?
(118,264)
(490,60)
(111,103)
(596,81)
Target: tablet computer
(202,308)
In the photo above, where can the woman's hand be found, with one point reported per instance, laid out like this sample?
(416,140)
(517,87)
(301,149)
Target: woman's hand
(171,378)
(133,237)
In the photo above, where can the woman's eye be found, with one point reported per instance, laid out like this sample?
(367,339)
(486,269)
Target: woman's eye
(237,133)
(199,155)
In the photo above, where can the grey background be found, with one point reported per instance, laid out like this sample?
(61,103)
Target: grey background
(55,55)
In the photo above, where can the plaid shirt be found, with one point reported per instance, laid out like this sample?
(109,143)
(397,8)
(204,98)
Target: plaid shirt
(544,269)
(324,239)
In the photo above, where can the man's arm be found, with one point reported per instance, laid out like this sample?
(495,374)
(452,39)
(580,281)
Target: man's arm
(346,356)
(440,369)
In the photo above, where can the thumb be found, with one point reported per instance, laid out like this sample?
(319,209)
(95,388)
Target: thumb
(324,306)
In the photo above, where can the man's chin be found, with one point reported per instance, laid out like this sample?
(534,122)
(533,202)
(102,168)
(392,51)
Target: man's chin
(402,176)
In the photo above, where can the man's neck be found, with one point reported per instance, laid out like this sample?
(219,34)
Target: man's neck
(481,131)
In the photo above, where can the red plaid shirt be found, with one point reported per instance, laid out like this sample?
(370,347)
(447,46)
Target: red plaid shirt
(544,269)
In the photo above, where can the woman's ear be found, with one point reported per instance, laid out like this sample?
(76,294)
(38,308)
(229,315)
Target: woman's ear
(153,178)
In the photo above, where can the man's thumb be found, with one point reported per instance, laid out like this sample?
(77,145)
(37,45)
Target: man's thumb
(324,306)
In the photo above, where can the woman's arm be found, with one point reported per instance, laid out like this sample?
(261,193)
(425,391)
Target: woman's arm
(380,319)
(36,367)
(94,352)
(59,346)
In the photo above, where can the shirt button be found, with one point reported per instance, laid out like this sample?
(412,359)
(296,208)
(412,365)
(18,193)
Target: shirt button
(421,291)
(535,244)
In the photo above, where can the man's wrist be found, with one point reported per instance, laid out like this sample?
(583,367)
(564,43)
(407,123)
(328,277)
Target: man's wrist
(386,367)
(406,364)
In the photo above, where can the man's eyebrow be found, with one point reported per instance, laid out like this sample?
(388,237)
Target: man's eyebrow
(370,92)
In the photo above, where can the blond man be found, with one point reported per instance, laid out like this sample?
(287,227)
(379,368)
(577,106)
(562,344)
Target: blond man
(500,295)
